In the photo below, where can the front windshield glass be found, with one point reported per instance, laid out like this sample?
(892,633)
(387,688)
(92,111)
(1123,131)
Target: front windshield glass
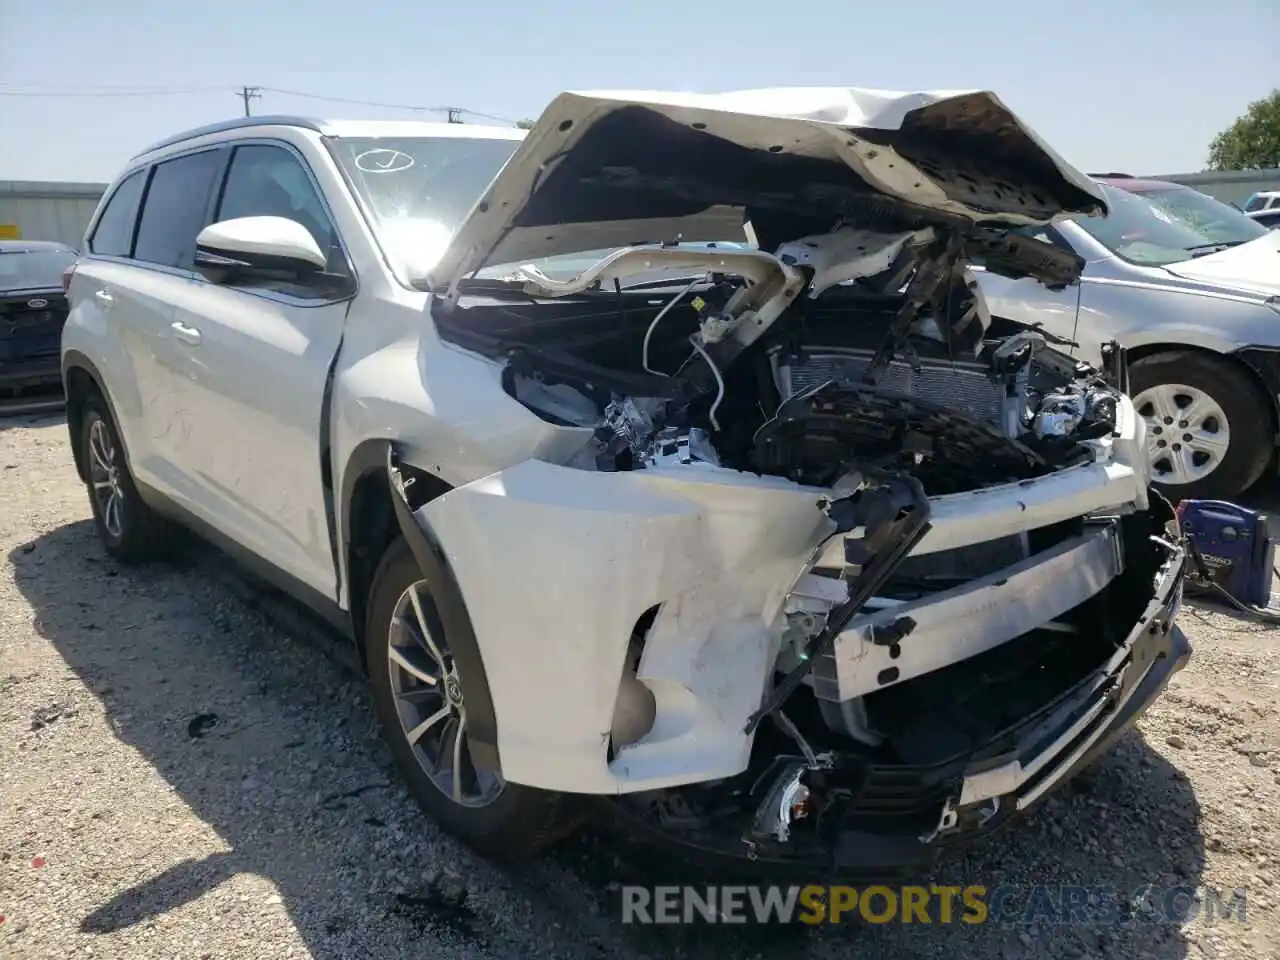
(1145,233)
(33,269)
(1217,221)
(418,190)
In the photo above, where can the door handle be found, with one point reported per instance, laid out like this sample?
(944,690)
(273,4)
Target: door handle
(184,333)
(104,299)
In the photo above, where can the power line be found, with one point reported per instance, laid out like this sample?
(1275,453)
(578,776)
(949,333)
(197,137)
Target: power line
(453,114)
(108,92)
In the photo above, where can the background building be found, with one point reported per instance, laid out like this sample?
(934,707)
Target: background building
(31,210)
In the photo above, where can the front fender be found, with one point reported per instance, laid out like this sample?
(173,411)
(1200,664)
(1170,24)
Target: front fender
(557,565)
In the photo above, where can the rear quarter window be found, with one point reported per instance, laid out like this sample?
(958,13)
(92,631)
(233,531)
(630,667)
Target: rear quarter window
(113,235)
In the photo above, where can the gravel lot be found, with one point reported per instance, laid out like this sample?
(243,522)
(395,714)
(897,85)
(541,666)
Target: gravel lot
(185,773)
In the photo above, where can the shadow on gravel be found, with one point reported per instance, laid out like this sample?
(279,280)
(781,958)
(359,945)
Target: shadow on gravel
(269,743)
(12,419)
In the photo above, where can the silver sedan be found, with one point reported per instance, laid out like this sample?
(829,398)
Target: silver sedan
(1198,310)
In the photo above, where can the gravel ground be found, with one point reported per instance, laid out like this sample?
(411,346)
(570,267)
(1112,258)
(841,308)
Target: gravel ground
(185,773)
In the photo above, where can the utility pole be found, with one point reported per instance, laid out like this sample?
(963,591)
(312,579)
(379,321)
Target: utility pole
(455,114)
(250,93)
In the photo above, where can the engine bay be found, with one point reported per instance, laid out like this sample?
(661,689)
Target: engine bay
(879,355)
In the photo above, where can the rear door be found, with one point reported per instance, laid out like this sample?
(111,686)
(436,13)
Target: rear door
(160,273)
(124,311)
(258,357)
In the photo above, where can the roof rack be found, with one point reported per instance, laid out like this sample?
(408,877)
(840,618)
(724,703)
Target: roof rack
(278,120)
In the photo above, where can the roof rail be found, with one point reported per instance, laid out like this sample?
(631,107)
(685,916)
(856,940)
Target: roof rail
(270,120)
(1110,176)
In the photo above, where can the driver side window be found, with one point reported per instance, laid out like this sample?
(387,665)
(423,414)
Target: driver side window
(270,181)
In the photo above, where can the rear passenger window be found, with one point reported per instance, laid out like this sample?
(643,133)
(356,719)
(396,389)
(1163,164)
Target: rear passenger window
(175,209)
(113,236)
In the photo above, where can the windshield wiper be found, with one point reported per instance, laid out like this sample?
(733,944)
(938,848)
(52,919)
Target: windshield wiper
(1204,249)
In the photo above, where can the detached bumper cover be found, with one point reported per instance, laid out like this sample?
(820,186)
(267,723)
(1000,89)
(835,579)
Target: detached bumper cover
(1049,751)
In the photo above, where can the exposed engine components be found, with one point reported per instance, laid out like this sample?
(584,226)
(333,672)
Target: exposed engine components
(1080,413)
(672,446)
(1058,415)
(816,435)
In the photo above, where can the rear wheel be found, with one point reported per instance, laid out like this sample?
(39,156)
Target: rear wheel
(417,692)
(1209,429)
(129,530)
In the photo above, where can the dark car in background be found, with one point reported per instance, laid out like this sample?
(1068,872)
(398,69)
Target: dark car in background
(33,308)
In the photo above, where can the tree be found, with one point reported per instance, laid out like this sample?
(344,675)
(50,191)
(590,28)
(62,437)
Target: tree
(524,124)
(1253,141)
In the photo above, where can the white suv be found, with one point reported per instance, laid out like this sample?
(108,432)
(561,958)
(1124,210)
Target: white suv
(606,446)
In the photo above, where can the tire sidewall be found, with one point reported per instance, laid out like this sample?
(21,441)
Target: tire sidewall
(1248,418)
(96,412)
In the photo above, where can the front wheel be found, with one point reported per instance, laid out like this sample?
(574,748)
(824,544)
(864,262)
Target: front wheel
(418,695)
(1209,429)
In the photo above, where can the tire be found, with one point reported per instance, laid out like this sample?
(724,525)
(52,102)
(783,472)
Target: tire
(129,529)
(1249,422)
(519,821)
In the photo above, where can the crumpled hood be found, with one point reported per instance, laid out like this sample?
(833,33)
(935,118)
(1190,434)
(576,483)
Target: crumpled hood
(603,170)
(1252,267)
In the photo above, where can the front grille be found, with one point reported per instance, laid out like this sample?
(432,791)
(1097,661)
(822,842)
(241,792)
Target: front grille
(956,385)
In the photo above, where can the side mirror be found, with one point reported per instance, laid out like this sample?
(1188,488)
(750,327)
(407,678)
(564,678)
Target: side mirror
(260,247)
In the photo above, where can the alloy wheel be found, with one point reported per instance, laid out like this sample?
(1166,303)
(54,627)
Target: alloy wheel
(104,475)
(1188,433)
(430,705)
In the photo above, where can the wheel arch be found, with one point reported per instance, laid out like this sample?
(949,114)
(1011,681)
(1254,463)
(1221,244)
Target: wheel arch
(380,494)
(81,380)
(1252,375)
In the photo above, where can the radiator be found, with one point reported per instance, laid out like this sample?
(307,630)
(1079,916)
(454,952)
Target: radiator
(960,385)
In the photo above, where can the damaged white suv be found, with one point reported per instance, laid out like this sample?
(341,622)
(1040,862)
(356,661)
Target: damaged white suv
(668,452)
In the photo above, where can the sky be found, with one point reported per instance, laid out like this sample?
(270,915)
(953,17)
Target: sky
(1139,86)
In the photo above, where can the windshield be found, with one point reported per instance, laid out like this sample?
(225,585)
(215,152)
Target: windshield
(33,269)
(1147,234)
(1212,218)
(418,190)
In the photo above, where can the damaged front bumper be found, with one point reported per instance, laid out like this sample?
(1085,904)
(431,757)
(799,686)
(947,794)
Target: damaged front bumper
(897,820)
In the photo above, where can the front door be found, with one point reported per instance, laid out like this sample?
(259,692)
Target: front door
(258,360)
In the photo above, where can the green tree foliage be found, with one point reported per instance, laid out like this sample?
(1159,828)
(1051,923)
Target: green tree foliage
(1253,141)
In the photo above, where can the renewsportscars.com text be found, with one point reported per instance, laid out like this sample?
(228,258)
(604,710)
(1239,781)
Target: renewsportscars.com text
(933,904)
